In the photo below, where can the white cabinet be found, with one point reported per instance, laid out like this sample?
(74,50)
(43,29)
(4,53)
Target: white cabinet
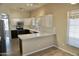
(35,44)
(13,21)
(46,23)
(42,23)
(27,21)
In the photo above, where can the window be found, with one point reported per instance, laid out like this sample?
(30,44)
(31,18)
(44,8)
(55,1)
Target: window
(74,28)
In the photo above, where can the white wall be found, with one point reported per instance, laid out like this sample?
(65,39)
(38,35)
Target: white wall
(14,13)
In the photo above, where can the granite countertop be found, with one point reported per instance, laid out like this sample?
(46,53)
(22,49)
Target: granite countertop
(13,28)
(34,35)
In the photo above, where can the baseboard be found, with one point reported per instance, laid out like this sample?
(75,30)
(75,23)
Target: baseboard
(50,47)
(37,50)
(66,51)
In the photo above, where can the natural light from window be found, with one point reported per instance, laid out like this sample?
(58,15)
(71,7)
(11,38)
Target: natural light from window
(74,28)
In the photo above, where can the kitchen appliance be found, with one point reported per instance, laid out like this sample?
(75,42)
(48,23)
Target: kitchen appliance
(19,25)
(5,34)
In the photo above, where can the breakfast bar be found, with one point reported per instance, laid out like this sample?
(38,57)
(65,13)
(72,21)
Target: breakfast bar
(31,43)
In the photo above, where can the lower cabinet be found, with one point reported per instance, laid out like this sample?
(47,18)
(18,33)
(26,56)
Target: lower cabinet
(15,33)
(32,45)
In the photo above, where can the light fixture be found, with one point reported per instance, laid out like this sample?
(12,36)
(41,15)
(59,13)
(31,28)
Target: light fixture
(29,4)
(73,3)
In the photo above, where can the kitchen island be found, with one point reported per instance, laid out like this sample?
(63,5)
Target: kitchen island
(31,43)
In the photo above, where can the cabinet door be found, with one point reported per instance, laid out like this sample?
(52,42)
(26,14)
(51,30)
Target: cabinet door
(14,34)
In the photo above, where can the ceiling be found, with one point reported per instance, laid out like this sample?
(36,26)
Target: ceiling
(21,6)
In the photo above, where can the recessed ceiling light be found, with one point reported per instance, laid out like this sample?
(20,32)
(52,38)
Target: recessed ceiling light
(29,4)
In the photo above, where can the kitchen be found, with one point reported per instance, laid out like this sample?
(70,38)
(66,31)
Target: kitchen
(23,28)
(28,28)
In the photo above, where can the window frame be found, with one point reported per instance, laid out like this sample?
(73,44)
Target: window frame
(68,21)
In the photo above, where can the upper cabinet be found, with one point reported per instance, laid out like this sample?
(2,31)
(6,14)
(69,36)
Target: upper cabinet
(42,23)
(27,21)
(47,21)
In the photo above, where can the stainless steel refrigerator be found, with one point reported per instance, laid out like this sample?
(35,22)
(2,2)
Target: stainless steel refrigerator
(5,35)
